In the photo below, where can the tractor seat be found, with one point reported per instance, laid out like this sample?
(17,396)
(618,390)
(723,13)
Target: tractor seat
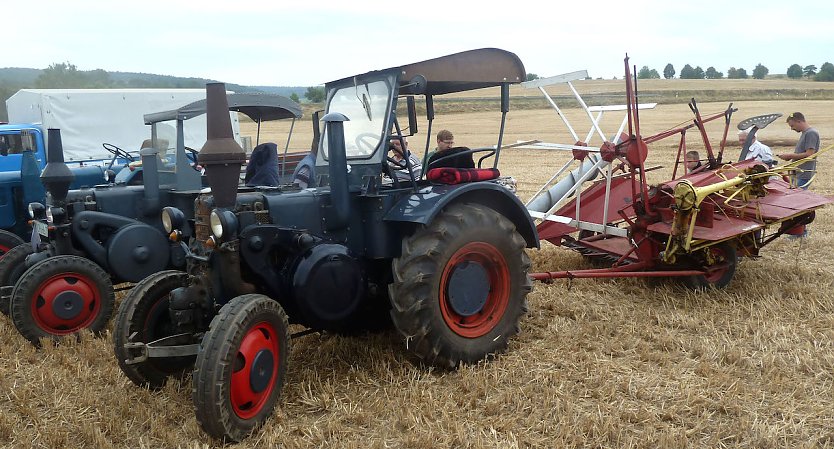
(460,161)
(449,175)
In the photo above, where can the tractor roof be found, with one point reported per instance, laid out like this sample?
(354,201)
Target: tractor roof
(258,107)
(458,72)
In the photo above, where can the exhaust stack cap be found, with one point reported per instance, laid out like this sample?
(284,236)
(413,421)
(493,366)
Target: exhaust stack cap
(221,156)
(56,176)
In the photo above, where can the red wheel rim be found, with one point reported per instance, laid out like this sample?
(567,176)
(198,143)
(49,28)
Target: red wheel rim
(484,320)
(66,303)
(714,275)
(255,370)
(3,250)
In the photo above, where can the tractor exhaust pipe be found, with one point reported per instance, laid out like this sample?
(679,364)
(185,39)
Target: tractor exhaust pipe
(56,176)
(150,176)
(339,198)
(222,156)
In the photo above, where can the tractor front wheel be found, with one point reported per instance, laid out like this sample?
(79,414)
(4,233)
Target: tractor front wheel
(460,286)
(719,262)
(8,241)
(240,368)
(12,267)
(144,317)
(60,296)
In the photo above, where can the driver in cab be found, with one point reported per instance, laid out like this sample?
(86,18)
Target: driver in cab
(397,160)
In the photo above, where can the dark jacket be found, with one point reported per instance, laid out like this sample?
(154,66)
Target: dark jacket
(262,169)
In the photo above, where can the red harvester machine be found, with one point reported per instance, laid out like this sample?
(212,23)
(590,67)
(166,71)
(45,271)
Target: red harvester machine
(695,226)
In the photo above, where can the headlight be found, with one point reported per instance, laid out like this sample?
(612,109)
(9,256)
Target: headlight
(36,210)
(172,218)
(222,223)
(55,215)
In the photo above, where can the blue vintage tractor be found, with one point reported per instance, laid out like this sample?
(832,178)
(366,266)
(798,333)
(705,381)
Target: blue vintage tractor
(443,259)
(85,241)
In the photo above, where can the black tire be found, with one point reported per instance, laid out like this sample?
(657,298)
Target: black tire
(228,402)
(12,267)
(144,311)
(8,241)
(61,295)
(725,257)
(432,306)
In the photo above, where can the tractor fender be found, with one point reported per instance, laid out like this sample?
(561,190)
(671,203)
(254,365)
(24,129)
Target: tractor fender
(422,206)
(83,225)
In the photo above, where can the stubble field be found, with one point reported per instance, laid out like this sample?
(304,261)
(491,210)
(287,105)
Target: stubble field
(598,363)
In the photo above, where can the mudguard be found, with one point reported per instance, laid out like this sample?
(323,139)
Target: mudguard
(83,226)
(422,206)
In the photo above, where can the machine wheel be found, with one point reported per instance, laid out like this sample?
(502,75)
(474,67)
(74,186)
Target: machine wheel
(144,311)
(241,366)
(725,260)
(8,241)
(12,267)
(460,286)
(61,295)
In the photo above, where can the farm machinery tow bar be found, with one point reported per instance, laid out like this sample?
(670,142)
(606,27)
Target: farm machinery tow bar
(695,226)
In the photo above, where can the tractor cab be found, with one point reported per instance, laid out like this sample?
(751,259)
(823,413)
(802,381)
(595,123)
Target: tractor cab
(176,164)
(370,103)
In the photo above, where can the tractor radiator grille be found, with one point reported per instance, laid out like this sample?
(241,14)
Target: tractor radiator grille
(203,209)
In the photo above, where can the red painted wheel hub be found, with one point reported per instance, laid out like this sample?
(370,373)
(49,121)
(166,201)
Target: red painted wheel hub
(255,370)
(66,303)
(496,295)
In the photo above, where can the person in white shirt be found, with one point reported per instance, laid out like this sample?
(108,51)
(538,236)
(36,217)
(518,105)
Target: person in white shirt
(757,150)
(397,154)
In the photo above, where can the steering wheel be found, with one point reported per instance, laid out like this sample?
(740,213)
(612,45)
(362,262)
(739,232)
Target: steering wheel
(195,154)
(397,165)
(367,140)
(117,152)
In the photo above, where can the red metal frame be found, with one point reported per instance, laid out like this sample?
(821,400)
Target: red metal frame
(647,214)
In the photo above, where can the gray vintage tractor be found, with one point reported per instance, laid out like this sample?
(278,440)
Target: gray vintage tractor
(445,261)
(85,241)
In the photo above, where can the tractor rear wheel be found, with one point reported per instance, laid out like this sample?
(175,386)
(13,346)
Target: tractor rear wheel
(8,241)
(460,286)
(240,368)
(719,272)
(12,267)
(60,296)
(144,316)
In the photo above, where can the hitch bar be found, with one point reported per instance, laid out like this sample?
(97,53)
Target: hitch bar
(170,346)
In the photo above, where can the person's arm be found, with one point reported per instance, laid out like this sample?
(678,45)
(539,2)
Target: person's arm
(812,144)
(797,156)
(302,178)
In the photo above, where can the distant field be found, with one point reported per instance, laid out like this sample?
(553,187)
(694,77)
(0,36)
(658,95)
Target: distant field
(599,92)
(607,363)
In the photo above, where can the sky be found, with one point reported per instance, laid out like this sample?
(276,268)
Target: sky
(305,43)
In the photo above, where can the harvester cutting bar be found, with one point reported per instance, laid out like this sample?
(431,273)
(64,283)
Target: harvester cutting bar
(612,273)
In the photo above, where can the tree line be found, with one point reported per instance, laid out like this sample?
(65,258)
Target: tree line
(795,71)
(65,75)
